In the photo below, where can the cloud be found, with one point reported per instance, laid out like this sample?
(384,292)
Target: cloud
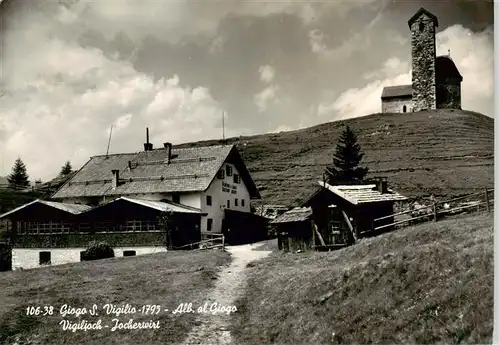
(266,97)
(60,106)
(173,20)
(351,45)
(267,73)
(471,52)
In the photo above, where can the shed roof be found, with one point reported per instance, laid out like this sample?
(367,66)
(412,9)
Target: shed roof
(297,214)
(398,91)
(362,194)
(190,170)
(69,208)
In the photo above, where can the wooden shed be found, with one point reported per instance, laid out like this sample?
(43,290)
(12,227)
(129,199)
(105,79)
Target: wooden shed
(335,216)
(294,229)
(356,206)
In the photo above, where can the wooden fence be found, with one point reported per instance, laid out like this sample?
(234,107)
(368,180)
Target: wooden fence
(439,209)
(212,241)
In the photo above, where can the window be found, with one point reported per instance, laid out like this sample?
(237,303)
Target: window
(228,204)
(235,202)
(176,198)
(242,202)
(236,178)
(137,225)
(229,170)
(44,258)
(129,253)
(421,26)
(220,174)
(209,224)
(209,200)
(404,108)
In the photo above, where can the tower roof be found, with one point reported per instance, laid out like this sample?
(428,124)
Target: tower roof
(419,14)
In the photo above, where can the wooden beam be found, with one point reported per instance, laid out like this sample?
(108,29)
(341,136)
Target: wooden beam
(313,234)
(350,225)
(319,235)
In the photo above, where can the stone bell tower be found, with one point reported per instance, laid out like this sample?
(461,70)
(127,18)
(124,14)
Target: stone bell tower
(423,55)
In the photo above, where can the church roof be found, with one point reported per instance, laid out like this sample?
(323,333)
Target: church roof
(419,13)
(399,91)
(446,69)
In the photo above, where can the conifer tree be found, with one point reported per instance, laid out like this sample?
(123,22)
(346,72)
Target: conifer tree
(346,167)
(66,169)
(18,179)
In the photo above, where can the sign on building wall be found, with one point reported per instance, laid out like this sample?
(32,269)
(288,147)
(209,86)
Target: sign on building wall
(228,188)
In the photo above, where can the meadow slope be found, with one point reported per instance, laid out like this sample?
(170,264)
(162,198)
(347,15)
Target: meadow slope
(165,279)
(444,152)
(431,283)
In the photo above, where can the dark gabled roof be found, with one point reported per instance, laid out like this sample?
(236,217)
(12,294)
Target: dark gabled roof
(297,214)
(446,69)
(162,206)
(190,170)
(399,91)
(68,208)
(419,13)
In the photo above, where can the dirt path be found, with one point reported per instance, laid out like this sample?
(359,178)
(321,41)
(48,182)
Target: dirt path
(214,329)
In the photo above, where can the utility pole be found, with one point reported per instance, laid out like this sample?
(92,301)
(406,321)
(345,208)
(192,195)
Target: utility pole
(223,129)
(109,140)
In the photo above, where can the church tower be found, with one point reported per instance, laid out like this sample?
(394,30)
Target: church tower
(423,56)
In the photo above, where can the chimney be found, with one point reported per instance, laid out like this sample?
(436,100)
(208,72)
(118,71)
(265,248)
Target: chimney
(147,145)
(382,186)
(116,177)
(168,147)
(129,165)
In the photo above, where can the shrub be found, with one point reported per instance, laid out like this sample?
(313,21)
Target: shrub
(98,250)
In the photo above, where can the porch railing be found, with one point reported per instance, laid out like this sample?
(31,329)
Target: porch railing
(215,241)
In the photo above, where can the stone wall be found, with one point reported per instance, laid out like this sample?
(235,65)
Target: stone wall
(448,96)
(395,105)
(27,258)
(423,55)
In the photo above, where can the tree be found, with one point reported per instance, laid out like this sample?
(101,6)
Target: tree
(346,161)
(18,179)
(66,169)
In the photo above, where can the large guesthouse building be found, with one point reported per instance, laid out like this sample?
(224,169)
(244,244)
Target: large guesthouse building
(118,198)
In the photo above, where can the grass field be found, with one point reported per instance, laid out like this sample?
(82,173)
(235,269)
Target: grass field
(431,283)
(166,279)
(445,152)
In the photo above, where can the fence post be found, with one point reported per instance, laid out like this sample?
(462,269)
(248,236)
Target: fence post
(222,241)
(487,200)
(435,212)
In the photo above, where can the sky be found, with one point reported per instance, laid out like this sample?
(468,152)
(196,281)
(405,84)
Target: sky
(71,69)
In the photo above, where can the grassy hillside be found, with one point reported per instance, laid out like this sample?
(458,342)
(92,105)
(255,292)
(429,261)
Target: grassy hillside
(431,283)
(443,152)
(167,279)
